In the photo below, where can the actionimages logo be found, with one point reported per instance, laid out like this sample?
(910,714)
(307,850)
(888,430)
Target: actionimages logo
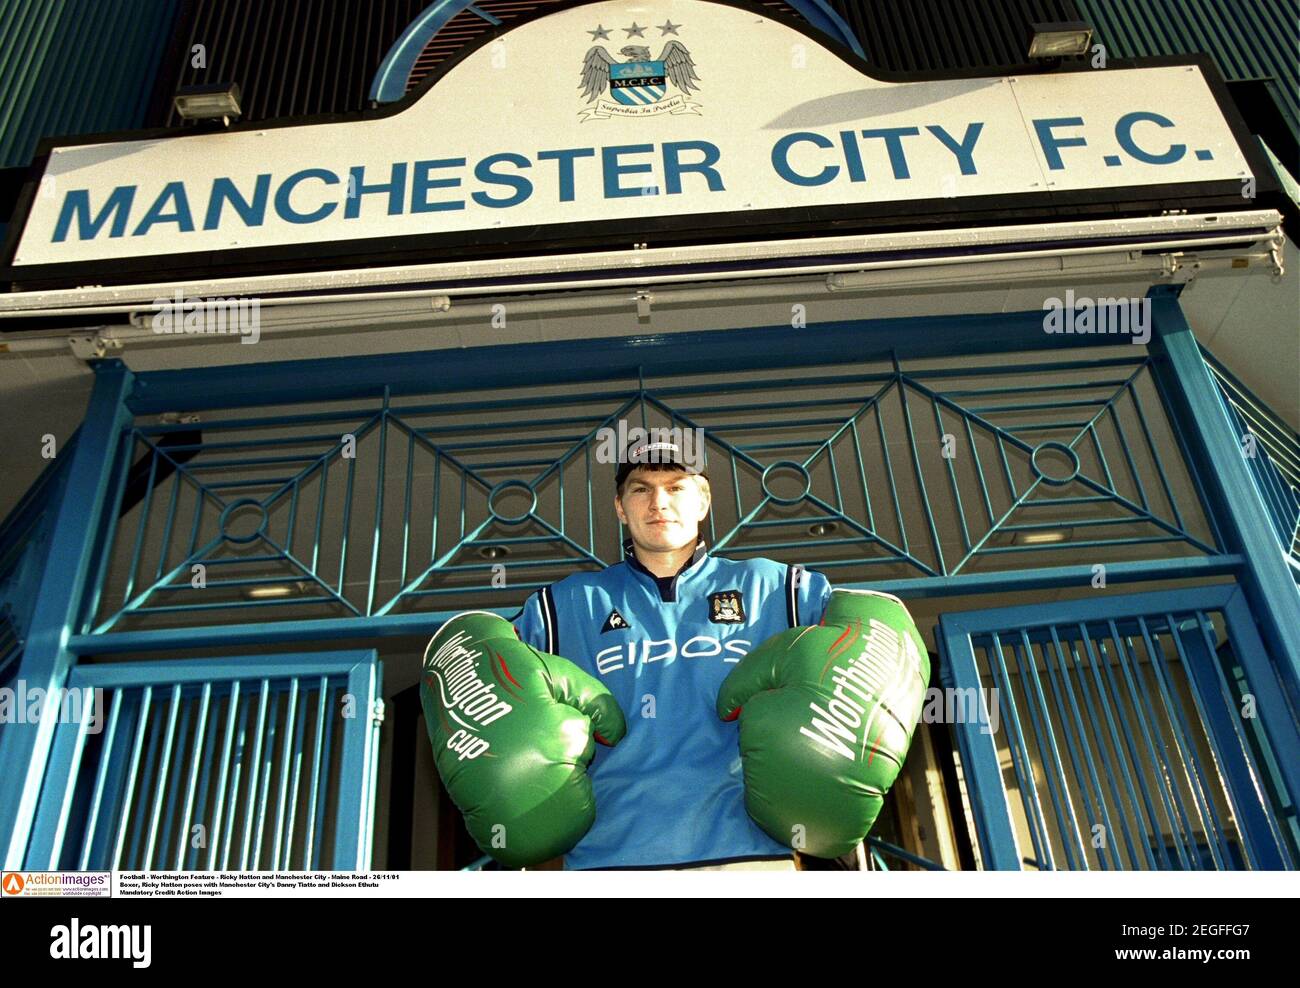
(57,883)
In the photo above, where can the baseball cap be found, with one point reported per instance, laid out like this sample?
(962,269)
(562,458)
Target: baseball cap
(661,453)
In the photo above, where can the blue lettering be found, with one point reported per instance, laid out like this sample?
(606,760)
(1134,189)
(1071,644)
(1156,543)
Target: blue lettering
(780,159)
(614,170)
(894,144)
(853,156)
(395,187)
(1124,134)
(1051,143)
(286,211)
(421,183)
(674,167)
(76,204)
(224,190)
(964,152)
(172,193)
(484,173)
(566,159)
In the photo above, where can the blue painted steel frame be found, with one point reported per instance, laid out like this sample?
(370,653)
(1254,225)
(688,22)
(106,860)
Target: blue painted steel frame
(46,659)
(352,836)
(58,633)
(989,805)
(389,84)
(1193,395)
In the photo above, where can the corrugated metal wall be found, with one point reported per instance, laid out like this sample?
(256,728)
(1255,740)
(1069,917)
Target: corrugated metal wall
(930,35)
(77,67)
(294,59)
(1249,39)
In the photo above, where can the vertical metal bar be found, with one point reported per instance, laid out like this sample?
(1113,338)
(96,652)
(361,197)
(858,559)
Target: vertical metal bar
(862,473)
(920,477)
(60,596)
(1170,797)
(254,767)
(352,817)
(214,835)
(320,784)
(1234,499)
(267,768)
(165,550)
(1101,456)
(140,526)
(952,474)
(1021,762)
(150,760)
(379,505)
(173,787)
(292,520)
(169,739)
(308,860)
(141,727)
(1128,457)
(1173,714)
(101,777)
(1077,745)
(979,758)
(1262,842)
(291,713)
(1058,786)
(1155,455)
(46,847)
(286,862)
(198,758)
(979,472)
(232,796)
(889,471)
(437,495)
(1108,770)
(406,506)
(320,513)
(1104,695)
(347,520)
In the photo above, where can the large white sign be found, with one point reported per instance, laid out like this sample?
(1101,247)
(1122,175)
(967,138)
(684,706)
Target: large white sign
(622,111)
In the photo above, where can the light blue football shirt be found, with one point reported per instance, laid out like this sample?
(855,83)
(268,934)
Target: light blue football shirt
(672,791)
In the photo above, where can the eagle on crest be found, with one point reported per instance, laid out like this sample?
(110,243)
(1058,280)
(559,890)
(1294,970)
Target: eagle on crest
(678,66)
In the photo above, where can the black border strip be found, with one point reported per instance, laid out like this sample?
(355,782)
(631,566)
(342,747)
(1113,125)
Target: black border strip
(659,230)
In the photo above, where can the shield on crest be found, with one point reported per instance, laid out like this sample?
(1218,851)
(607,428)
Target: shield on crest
(638,83)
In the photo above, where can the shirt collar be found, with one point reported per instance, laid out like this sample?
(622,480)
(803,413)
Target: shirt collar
(667,585)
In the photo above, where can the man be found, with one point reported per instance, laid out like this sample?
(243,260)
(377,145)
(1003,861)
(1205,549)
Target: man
(602,726)
(661,630)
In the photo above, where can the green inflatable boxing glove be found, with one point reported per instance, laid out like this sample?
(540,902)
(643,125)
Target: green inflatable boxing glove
(513,731)
(826,717)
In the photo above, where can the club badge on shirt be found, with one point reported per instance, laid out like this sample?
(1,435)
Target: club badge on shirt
(615,622)
(726,607)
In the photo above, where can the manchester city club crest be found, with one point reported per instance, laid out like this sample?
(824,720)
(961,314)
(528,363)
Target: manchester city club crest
(640,85)
(726,607)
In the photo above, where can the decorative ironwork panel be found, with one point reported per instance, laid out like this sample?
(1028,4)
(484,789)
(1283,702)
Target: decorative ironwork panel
(869,472)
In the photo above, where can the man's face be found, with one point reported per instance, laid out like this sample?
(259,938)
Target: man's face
(662,509)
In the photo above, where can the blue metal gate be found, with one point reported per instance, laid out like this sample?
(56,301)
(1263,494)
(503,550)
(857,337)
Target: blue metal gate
(250,763)
(1142,732)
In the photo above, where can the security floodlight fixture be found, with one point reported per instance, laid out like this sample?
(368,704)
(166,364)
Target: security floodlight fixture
(1059,39)
(217,102)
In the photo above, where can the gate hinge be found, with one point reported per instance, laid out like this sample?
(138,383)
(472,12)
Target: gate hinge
(377,712)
